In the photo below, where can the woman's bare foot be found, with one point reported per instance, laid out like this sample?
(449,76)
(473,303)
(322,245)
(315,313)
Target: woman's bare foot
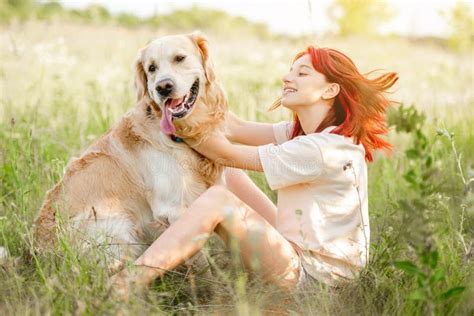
(133,280)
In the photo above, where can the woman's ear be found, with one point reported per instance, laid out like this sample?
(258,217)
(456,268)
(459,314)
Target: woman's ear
(331,91)
(140,77)
(201,42)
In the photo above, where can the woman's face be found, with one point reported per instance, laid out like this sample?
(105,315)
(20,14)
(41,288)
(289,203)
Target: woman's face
(303,85)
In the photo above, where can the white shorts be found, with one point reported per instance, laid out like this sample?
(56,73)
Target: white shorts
(322,274)
(314,270)
(304,277)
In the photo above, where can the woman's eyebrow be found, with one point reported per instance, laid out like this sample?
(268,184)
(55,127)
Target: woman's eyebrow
(300,66)
(306,66)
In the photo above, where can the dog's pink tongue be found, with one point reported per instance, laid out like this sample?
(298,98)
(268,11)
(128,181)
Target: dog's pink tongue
(172,103)
(166,124)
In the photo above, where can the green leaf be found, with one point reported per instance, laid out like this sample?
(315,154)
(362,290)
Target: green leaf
(429,161)
(434,259)
(421,281)
(410,177)
(437,276)
(425,257)
(426,175)
(453,292)
(412,153)
(408,267)
(417,295)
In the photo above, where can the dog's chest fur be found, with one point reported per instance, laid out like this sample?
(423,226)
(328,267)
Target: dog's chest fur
(172,174)
(171,184)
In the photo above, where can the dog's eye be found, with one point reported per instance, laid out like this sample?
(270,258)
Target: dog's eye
(151,68)
(179,58)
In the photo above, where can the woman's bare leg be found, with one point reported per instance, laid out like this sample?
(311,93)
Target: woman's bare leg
(216,210)
(239,183)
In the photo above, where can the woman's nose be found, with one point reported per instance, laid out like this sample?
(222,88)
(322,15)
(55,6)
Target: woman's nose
(286,78)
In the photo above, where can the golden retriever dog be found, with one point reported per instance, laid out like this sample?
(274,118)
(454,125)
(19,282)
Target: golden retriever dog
(139,176)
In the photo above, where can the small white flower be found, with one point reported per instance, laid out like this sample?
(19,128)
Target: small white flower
(3,255)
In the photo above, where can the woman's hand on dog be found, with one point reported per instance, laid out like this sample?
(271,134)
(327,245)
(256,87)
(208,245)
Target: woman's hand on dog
(217,147)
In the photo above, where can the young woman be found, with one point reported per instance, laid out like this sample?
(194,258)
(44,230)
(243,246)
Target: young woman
(320,227)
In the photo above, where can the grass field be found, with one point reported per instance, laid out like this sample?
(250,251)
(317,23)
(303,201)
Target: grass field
(63,85)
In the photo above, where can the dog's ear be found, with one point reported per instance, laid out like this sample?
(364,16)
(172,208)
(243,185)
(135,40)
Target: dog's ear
(140,77)
(201,42)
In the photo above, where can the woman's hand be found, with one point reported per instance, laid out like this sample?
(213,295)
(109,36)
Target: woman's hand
(233,125)
(213,146)
(218,148)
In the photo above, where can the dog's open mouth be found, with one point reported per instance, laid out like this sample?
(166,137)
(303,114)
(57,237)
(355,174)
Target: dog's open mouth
(178,108)
(181,106)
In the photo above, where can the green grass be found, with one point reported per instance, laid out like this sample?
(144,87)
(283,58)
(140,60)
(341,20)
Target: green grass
(63,85)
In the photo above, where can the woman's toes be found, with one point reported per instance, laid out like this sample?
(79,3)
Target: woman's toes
(120,285)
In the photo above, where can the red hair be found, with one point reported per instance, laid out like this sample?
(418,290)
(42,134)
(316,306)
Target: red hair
(359,108)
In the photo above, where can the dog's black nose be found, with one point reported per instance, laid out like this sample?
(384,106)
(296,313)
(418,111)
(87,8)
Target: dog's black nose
(165,87)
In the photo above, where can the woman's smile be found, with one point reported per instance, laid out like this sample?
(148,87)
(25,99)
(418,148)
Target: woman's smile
(287,90)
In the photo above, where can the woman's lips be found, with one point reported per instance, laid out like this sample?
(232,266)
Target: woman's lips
(288,90)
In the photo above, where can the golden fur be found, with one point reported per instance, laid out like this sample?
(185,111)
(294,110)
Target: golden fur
(115,193)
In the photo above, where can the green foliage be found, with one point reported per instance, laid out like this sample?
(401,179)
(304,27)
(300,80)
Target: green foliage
(129,20)
(207,19)
(359,17)
(429,285)
(421,170)
(92,13)
(19,8)
(49,10)
(461,20)
(183,19)
(406,119)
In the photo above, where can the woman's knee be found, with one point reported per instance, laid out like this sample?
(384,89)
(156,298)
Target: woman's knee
(215,201)
(216,193)
(233,177)
(233,173)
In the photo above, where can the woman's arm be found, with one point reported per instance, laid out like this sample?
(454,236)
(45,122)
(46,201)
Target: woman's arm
(218,148)
(248,132)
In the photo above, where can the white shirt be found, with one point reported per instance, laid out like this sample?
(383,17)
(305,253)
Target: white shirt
(321,180)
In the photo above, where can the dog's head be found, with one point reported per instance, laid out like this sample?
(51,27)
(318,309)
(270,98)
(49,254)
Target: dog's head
(175,73)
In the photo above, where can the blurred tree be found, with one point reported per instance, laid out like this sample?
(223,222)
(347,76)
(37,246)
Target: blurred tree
(208,19)
(129,20)
(461,21)
(178,20)
(20,4)
(359,17)
(19,8)
(97,13)
(92,13)
(47,10)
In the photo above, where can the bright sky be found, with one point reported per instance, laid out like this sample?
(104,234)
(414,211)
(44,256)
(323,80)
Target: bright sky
(414,17)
